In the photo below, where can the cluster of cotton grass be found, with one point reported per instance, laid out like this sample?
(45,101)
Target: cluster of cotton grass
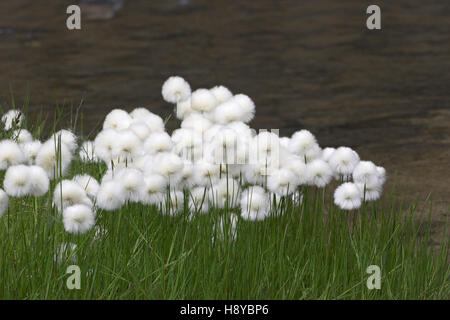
(213,161)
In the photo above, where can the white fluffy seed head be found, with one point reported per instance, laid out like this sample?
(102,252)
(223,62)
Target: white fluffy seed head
(10,154)
(370,192)
(327,152)
(228,111)
(381,175)
(202,100)
(255,204)
(39,181)
(196,122)
(68,193)
(282,182)
(30,151)
(365,173)
(54,159)
(117,119)
(132,182)
(105,144)
(4,201)
(153,189)
(22,136)
(319,173)
(140,129)
(158,142)
(78,219)
(66,137)
(175,89)
(297,166)
(284,141)
(139,113)
(87,152)
(184,109)
(343,161)
(247,106)
(169,165)
(303,143)
(154,122)
(13,119)
(17,181)
(188,144)
(348,196)
(221,93)
(127,146)
(88,183)
(225,192)
(206,173)
(111,195)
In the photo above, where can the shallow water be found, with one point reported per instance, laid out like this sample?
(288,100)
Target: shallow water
(306,64)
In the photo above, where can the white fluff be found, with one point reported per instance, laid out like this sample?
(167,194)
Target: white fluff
(30,151)
(255,204)
(127,147)
(381,175)
(22,136)
(365,173)
(154,122)
(87,152)
(132,182)
(68,193)
(206,173)
(110,196)
(319,173)
(304,144)
(39,181)
(4,201)
(54,158)
(140,129)
(202,100)
(370,192)
(297,166)
(153,189)
(88,183)
(78,219)
(168,165)
(343,161)
(158,142)
(227,112)
(105,144)
(66,137)
(184,109)
(327,152)
(10,154)
(13,119)
(117,119)
(196,122)
(221,93)
(282,182)
(348,196)
(175,89)
(247,106)
(225,191)
(17,181)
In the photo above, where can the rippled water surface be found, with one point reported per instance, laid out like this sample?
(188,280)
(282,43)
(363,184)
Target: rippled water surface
(306,64)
